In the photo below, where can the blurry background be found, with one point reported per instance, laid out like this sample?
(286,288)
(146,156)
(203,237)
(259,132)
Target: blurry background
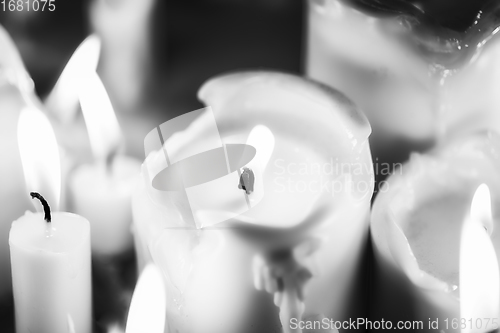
(178,45)
(190,41)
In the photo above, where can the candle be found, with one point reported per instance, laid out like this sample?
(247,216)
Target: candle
(125,30)
(417,226)
(296,235)
(414,76)
(148,306)
(50,252)
(101,191)
(16,92)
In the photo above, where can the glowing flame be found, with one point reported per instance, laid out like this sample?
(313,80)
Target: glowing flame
(479,273)
(39,155)
(262,139)
(63,100)
(102,125)
(148,306)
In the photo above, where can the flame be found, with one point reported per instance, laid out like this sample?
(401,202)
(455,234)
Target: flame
(148,307)
(63,100)
(262,139)
(479,272)
(102,125)
(39,155)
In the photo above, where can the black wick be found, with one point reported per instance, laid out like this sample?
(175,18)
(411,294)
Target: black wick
(46,207)
(247,180)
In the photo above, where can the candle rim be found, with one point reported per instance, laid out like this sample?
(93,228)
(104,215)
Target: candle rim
(385,217)
(19,242)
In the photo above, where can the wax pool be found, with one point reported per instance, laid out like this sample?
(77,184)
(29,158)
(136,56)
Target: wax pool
(51,273)
(216,276)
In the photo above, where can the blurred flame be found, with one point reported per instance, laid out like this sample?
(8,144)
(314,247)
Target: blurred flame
(262,139)
(479,272)
(102,125)
(63,100)
(39,155)
(148,307)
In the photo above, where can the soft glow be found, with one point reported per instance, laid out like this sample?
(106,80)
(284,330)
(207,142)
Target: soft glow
(102,125)
(39,155)
(148,307)
(262,139)
(479,274)
(63,100)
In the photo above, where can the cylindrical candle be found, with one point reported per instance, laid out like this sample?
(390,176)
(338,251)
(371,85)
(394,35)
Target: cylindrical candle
(102,194)
(51,273)
(280,255)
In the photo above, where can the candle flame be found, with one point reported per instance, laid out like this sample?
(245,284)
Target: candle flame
(262,139)
(102,125)
(63,100)
(479,272)
(148,307)
(39,155)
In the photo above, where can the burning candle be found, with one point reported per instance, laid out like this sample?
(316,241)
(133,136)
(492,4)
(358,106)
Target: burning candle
(16,92)
(280,253)
(101,191)
(50,252)
(148,306)
(417,230)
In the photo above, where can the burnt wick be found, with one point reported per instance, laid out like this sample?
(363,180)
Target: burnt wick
(247,180)
(46,207)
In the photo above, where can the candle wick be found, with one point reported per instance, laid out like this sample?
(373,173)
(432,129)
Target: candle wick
(247,180)
(46,207)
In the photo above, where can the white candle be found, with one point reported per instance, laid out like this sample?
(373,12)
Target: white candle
(101,191)
(317,229)
(51,273)
(16,93)
(417,219)
(102,194)
(125,30)
(51,258)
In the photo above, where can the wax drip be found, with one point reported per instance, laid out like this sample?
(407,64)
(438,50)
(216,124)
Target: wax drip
(46,207)
(284,277)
